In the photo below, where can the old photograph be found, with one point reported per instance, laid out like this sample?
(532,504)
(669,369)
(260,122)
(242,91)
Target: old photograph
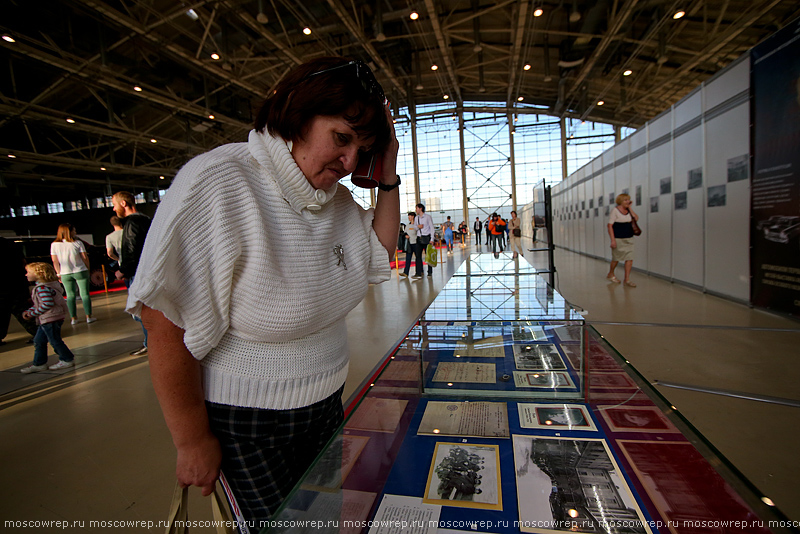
(716,196)
(465,475)
(666,185)
(737,168)
(555,416)
(538,357)
(572,485)
(696,178)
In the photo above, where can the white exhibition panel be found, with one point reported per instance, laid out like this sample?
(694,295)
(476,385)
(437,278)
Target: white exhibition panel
(584,225)
(659,127)
(689,108)
(688,208)
(728,225)
(659,237)
(639,179)
(728,83)
(638,139)
(600,220)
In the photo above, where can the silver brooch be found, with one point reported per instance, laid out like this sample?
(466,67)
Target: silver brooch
(339,251)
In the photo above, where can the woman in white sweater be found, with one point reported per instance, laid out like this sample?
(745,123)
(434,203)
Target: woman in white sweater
(246,323)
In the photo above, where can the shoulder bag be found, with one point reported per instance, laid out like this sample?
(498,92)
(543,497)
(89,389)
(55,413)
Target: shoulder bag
(636,229)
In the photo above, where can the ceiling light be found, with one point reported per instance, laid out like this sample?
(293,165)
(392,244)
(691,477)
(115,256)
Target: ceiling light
(70,120)
(538,12)
(446,97)
(679,14)
(12,156)
(153,141)
(419,87)
(527,66)
(160,177)
(262,17)
(520,98)
(137,88)
(548,78)
(307,30)
(767,501)
(192,14)
(600,102)
(414,15)
(211,116)
(627,72)
(574,15)
(434,67)
(102,168)
(215,56)
(481,89)
(9,39)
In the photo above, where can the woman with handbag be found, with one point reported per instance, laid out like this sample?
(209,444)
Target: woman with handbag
(515,234)
(247,333)
(621,229)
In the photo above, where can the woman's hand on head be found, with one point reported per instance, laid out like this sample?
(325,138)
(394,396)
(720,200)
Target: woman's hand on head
(198,464)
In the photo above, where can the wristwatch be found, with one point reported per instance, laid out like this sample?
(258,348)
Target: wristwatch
(383,187)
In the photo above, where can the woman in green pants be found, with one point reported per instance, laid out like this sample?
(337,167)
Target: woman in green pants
(72,265)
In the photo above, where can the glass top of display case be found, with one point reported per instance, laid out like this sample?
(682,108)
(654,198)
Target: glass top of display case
(535,425)
(499,298)
(501,264)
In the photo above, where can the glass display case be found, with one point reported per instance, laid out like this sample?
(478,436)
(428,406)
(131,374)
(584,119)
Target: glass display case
(453,433)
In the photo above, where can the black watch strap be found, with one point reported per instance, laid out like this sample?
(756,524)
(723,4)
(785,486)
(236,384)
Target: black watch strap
(383,187)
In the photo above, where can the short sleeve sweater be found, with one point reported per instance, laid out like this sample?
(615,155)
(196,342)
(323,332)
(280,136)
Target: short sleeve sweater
(242,255)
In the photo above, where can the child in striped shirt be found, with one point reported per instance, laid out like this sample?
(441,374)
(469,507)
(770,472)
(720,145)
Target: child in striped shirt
(50,309)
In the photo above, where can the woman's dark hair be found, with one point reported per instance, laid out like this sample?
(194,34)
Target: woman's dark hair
(302,95)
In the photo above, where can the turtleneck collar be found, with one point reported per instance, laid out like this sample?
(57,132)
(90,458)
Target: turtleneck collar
(274,155)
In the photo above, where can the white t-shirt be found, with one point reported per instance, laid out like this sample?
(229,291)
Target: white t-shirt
(69,256)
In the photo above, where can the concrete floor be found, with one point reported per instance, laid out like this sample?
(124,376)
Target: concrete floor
(90,444)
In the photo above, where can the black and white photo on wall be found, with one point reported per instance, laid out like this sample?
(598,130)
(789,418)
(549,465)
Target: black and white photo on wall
(666,185)
(597,212)
(653,204)
(608,210)
(591,203)
(611,198)
(737,168)
(716,196)
(600,201)
(638,195)
(681,200)
(696,178)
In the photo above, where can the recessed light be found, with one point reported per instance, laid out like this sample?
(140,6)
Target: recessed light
(9,39)
(153,141)
(307,30)
(527,66)
(446,97)
(767,501)
(12,156)
(600,102)
(520,98)
(414,15)
(679,14)
(434,67)
(628,72)
(160,177)
(538,12)
(137,88)
(102,168)
(215,56)
(70,120)
(211,116)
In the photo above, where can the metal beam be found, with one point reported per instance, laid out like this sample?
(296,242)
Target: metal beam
(359,36)
(516,50)
(444,50)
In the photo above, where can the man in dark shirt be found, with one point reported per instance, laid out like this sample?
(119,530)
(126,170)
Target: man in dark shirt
(134,231)
(477,227)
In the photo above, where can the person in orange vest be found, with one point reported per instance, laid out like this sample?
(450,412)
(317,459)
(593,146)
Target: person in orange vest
(496,228)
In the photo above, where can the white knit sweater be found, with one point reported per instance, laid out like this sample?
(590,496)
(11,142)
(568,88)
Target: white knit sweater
(241,256)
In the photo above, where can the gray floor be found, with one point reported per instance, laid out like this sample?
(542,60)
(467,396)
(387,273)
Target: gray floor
(90,444)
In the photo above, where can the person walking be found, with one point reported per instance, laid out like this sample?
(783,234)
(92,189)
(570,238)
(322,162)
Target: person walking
(424,223)
(411,241)
(448,227)
(515,234)
(497,228)
(49,309)
(71,263)
(135,226)
(477,226)
(620,229)
(114,240)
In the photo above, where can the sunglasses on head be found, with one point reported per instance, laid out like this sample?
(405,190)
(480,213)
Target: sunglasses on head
(363,74)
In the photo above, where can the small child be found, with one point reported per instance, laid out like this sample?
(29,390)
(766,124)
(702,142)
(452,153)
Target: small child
(50,309)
